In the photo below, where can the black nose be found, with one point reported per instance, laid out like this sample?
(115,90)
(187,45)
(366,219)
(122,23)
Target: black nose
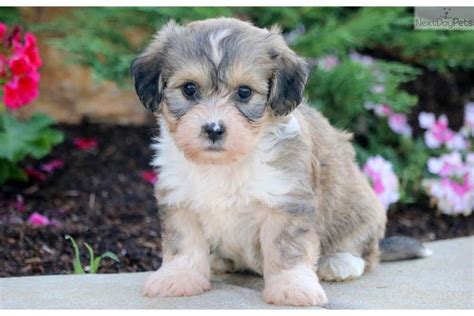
(214,131)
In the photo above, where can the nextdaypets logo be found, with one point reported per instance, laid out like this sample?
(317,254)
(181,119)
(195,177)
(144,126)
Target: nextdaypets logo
(444,18)
(446,13)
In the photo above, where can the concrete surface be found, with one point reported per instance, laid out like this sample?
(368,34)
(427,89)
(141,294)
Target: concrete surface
(445,280)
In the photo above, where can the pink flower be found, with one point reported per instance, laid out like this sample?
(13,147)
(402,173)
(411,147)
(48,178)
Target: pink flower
(439,133)
(446,165)
(35,174)
(149,176)
(38,220)
(85,143)
(52,165)
(21,90)
(453,191)
(382,110)
(399,124)
(383,180)
(328,62)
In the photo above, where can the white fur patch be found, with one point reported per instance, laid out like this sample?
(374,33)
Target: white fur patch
(228,199)
(342,266)
(215,39)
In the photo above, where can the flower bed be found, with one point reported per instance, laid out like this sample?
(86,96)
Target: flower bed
(103,196)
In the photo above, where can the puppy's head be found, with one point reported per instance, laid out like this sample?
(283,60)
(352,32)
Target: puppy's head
(217,83)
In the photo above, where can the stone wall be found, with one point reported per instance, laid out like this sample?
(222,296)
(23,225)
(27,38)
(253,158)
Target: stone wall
(69,93)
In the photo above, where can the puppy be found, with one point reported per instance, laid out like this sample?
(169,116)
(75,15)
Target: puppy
(251,178)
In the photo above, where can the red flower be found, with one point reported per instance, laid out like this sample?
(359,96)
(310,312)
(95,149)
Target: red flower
(21,90)
(3,66)
(3,30)
(31,50)
(35,174)
(20,64)
(19,203)
(85,143)
(149,176)
(21,68)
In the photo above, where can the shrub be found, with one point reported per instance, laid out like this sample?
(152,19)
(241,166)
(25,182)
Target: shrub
(364,57)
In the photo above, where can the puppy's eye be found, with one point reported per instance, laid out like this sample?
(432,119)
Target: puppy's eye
(189,90)
(244,93)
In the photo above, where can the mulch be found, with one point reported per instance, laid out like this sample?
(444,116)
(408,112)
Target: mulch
(100,197)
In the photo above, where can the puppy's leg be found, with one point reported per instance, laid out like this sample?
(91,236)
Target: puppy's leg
(289,245)
(185,270)
(341,266)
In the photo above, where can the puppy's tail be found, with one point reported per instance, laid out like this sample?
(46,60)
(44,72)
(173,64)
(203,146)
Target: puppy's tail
(402,248)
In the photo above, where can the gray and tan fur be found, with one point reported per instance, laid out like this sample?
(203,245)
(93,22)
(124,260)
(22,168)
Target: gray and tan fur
(263,183)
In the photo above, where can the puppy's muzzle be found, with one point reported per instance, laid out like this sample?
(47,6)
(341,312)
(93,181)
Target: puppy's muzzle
(214,131)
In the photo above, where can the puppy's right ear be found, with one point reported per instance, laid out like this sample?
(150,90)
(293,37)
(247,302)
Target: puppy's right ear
(146,74)
(147,70)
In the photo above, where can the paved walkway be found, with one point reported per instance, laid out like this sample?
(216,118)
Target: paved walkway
(445,280)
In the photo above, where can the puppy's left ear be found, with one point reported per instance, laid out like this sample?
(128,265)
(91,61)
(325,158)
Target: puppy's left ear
(288,82)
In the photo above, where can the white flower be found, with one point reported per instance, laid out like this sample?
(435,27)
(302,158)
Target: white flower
(426,120)
(469,114)
(458,142)
(378,88)
(362,59)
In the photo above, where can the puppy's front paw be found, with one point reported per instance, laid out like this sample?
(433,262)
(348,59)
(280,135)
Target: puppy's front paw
(296,288)
(172,283)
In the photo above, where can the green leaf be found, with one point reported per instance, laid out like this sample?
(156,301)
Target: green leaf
(110,255)
(10,171)
(77,261)
(95,265)
(91,258)
(19,139)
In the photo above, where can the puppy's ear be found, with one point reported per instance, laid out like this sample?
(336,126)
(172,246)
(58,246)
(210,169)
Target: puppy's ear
(146,74)
(147,70)
(288,82)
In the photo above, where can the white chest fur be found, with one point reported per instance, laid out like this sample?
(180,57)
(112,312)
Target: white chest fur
(229,200)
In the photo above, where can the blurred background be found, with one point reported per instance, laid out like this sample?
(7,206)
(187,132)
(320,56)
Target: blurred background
(81,167)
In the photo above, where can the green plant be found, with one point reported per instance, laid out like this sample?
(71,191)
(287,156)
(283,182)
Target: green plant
(94,262)
(34,137)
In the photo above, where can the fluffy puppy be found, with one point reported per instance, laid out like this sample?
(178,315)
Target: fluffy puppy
(251,178)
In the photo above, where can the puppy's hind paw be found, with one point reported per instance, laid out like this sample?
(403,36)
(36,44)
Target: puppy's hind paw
(340,267)
(173,283)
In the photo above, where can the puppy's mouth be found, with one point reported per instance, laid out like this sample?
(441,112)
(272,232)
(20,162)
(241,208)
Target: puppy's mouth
(214,148)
